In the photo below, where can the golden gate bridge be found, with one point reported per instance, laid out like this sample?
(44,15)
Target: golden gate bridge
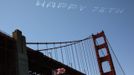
(92,55)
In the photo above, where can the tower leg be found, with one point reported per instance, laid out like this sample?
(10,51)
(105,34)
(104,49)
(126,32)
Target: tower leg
(22,59)
(106,58)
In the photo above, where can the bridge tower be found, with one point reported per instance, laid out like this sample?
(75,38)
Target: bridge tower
(106,58)
(22,58)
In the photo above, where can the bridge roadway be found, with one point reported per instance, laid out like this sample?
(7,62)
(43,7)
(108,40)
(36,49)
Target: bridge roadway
(40,63)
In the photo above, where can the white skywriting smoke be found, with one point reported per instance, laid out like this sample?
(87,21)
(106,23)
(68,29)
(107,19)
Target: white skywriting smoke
(73,6)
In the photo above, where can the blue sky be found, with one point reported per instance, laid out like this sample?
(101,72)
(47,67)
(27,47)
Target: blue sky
(74,20)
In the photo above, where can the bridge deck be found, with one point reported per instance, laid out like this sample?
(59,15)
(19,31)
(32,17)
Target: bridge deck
(43,63)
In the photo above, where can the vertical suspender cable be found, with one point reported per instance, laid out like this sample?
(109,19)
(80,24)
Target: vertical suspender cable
(65,55)
(77,57)
(85,57)
(69,56)
(81,58)
(92,58)
(73,56)
(88,56)
(37,46)
(46,50)
(51,53)
(55,51)
(62,53)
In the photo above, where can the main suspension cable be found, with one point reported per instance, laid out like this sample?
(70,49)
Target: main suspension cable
(116,57)
(59,42)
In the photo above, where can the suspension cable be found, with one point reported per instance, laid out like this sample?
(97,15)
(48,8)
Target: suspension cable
(56,47)
(75,49)
(59,42)
(116,57)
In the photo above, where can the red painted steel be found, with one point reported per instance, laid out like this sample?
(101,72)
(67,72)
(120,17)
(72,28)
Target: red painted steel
(107,58)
